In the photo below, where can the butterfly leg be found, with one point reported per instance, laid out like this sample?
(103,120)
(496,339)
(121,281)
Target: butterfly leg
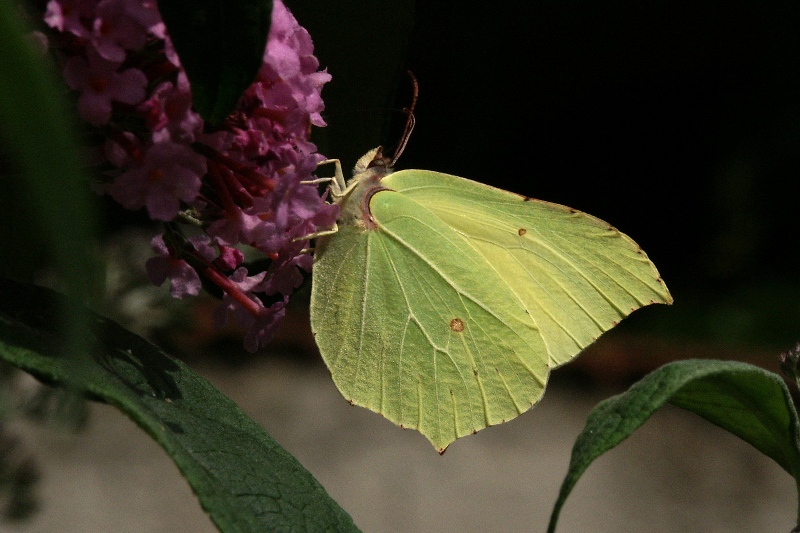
(338,189)
(337,181)
(314,235)
(317,181)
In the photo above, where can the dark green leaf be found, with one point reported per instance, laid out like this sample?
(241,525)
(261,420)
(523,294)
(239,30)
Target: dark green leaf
(47,174)
(243,478)
(221,45)
(748,401)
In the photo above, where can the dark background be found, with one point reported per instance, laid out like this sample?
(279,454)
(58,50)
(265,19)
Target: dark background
(678,122)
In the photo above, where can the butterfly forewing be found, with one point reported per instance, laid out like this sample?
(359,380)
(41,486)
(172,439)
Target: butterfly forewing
(574,273)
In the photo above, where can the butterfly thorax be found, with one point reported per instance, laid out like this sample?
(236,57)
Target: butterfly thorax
(368,172)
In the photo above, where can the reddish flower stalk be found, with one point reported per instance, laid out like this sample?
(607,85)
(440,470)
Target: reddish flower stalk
(224,283)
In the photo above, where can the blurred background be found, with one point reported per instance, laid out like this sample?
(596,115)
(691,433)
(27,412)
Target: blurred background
(679,123)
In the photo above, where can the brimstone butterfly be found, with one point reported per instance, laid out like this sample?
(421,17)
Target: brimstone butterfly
(442,303)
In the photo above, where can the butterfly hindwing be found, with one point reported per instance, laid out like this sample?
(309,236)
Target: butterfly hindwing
(425,332)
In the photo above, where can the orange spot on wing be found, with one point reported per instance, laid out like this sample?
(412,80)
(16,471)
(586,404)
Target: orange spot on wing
(457,325)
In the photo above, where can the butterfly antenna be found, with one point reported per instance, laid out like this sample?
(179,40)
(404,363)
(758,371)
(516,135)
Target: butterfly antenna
(410,121)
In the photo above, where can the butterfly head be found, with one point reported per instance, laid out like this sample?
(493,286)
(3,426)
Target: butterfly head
(374,159)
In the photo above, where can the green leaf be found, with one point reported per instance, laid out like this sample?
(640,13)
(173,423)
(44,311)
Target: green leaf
(221,45)
(243,478)
(46,170)
(748,401)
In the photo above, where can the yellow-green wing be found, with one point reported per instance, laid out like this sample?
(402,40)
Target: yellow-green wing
(577,275)
(414,325)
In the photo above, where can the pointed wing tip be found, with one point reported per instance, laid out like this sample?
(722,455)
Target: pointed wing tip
(666,296)
(663,299)
(440,445)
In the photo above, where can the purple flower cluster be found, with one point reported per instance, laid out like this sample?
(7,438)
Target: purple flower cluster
(239,184)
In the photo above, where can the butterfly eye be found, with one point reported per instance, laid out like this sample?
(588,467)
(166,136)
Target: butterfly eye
(379,160)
